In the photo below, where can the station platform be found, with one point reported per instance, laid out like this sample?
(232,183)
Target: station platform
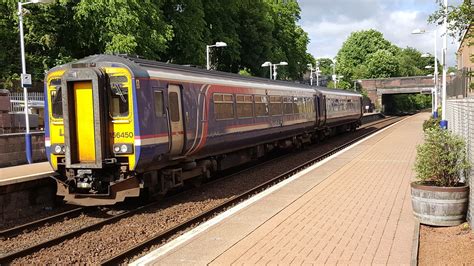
(351,208)
(24,173)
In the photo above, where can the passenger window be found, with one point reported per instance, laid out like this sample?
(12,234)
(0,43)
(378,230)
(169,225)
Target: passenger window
(159,105)
(56,99)
(276,105)
(174,106)
(261,105)
(244,106)
(118,96)
(287,105)
(223,106)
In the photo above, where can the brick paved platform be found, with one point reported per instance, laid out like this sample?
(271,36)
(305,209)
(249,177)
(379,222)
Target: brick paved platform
(352,209)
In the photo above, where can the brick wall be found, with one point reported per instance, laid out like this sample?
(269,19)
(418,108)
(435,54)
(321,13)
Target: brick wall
(12,148)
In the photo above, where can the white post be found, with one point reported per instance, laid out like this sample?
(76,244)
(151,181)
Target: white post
(25,91)
(444,123)
(208,64)
(274,71)
(317,77)
(435,113)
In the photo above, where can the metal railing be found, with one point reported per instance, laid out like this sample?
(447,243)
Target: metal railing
(35,100)
(462,86)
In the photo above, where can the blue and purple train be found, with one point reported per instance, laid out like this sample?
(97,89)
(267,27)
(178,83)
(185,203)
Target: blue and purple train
(119,126)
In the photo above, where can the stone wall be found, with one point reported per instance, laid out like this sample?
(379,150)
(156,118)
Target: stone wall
(12,148)
(460,116)
(25,199)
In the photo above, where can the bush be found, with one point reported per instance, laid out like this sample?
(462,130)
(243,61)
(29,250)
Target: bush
(431,123)
(442,159)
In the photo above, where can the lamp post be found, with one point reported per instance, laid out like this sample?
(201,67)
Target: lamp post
(311,74)
(208,48)
(444,122)
(26,78)
(355,82)
(317,73)
(269,65)
(273,68)
(435,33)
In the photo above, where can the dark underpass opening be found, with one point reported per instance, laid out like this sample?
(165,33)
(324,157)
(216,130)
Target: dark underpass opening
(395,104)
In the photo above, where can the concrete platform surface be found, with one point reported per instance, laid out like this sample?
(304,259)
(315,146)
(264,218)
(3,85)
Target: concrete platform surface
(353,208)
(24,173)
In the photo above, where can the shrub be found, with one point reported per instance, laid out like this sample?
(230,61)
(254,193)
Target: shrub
(431,123)
(442,159)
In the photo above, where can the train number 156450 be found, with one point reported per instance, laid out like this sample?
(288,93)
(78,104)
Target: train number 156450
(125,135)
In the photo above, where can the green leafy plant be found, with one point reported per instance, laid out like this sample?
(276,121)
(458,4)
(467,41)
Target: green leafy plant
(431,123)
(442,159)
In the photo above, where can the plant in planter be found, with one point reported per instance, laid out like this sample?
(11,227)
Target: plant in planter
(440,196)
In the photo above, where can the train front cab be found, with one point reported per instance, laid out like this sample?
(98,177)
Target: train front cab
(90,138)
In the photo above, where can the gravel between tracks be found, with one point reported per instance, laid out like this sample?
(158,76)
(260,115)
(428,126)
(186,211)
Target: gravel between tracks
(95,246)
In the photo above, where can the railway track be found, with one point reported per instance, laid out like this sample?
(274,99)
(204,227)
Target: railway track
(167,233)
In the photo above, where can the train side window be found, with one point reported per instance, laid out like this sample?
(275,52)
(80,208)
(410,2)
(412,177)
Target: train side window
(159,104)
(118,96)
(261,105)
(174,106)
(276,105)
(244,106)
(56,99)
(287,105)
(223,106)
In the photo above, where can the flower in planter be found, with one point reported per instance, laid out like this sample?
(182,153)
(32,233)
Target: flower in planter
(442,159)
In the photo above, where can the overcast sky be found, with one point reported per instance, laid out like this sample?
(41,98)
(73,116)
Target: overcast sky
(330,22)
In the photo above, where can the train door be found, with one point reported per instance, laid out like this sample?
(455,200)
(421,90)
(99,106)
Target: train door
(176,120)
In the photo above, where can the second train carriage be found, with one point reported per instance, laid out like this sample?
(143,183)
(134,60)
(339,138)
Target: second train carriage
(117,125)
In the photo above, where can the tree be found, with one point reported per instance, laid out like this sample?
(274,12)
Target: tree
(459,17)
(356,50)
(383,64)
(132,27)
(290,40)
(412,64)
(189,30)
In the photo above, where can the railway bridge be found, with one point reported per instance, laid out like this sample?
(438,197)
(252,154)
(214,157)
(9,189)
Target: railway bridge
(377,88)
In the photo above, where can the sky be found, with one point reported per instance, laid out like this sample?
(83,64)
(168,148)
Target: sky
(330,22)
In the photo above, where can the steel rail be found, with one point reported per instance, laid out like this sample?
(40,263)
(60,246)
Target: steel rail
(17,230)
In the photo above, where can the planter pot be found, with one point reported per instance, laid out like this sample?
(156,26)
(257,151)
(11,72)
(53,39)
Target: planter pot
(440,206)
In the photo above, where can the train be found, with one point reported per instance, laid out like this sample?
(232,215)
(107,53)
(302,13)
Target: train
(119,127)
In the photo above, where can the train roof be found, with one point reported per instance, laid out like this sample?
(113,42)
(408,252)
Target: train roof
(143,68)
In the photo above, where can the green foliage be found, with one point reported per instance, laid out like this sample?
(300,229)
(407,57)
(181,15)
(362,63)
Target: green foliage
(382,64)
(442,159)
(459,17)
(431,123)
(367,54)
(325,66)
(176,31)
(402,103)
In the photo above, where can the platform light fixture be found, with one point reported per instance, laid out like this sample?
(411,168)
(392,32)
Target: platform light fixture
(435,74)
(26,80)
(208,48)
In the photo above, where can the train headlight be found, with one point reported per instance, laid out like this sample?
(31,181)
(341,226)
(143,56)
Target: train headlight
(58,149)
(123,148)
